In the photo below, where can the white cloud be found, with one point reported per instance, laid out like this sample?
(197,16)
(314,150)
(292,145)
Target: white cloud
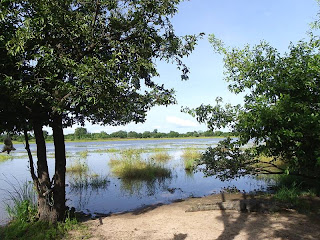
(181,122)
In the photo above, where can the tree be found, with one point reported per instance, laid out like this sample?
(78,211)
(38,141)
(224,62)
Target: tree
(80,133)
(133,134)
(280,114)
(73,61)
(119,134)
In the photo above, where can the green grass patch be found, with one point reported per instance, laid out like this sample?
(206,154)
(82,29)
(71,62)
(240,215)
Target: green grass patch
(5,157)
(300,193)
(189,164)
(21,202)
(83,154)
(37,230)
(21,206)
(78,167)
(135,168)
(109,150)
(161,156)
(190,155)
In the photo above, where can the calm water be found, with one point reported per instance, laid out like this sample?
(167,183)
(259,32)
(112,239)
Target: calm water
(118,195)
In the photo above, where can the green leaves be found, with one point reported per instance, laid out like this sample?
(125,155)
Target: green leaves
(280,112)
(91,61)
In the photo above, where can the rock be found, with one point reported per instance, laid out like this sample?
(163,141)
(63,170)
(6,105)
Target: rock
(245,205)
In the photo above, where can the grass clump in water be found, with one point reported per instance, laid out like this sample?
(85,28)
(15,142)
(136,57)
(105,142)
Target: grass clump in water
(5,157)
(78,167)
(190,155)
(137,169)
(83,154)
(161,156)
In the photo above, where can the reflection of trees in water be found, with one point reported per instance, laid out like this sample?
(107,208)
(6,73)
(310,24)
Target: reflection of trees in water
(142,188)
(84,186)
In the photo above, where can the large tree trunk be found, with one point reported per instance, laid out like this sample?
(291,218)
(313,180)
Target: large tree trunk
(44,188)
(59,191)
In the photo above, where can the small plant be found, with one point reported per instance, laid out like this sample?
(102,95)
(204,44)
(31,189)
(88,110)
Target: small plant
(289,195)
(5,157)
(190,155)
(131,153)
(136,169)
(83,154)
(21,203)
(161,156)
(78,167)
(38,230)
(189,165)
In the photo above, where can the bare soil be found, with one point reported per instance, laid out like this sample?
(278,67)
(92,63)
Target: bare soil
(173,222)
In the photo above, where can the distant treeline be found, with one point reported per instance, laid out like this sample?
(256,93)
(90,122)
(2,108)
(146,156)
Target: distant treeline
(82,134)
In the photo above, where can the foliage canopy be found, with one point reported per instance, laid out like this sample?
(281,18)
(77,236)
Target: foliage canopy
(65,62)
(280,117)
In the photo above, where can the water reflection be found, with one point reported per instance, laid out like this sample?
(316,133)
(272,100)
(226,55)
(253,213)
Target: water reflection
(141,188)
(84,186)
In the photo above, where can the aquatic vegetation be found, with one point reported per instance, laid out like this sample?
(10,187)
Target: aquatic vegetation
(189,165)
(161,156)
(5,157)
(135,168)
(84,154)
(85,181)
(78,167)
(131,153)
(109,150)
(190,155)
(156,149)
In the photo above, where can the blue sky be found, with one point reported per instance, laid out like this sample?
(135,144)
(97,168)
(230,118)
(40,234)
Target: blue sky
(236,22)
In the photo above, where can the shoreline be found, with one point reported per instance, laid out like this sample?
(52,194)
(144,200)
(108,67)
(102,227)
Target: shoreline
(124,139)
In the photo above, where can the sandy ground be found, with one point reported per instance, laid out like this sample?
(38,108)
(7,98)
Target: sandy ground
(172,222)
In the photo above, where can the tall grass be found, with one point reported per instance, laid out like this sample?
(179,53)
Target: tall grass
(161,156)
(21,206)
(131,166)
(78,167)
(139,170)
(297,191)
(5,157)
(21,203)
(190,155)
(84,154)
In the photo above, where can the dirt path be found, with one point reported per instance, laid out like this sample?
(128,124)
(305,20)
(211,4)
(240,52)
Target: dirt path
(172,222)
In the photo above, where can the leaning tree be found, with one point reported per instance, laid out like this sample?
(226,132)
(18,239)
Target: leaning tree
(80,61)
(277,127)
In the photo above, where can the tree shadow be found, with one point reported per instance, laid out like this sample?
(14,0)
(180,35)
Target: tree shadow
(231,228)
(180,236)
(283,225)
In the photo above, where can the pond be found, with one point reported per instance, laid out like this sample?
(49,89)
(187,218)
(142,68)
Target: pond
(116,194)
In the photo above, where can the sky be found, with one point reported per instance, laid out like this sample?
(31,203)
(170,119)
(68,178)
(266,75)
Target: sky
(236,23)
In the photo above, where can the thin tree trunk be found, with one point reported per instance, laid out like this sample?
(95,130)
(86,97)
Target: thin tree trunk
(44,196)
(31,164)
(59,192)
